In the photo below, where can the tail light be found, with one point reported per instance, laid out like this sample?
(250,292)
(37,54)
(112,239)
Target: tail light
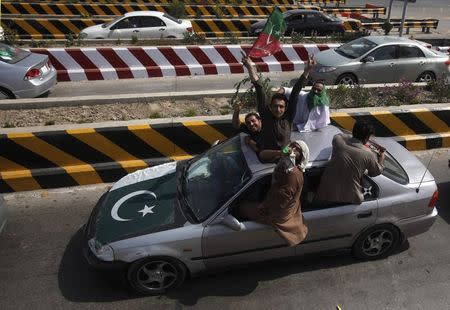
(433,200)
(32,74)
(189,29)
(447,63)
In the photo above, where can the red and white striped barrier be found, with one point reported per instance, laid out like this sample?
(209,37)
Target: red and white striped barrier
(105,63)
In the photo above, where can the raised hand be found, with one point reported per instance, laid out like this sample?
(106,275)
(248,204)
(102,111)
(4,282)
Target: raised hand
(311,63)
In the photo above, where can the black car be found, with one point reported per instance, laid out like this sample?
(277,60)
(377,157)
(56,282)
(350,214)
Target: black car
(305,22)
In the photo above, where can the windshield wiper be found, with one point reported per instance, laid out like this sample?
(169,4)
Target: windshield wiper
(182,189)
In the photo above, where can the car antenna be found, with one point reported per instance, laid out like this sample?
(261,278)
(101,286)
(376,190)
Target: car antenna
(426,169)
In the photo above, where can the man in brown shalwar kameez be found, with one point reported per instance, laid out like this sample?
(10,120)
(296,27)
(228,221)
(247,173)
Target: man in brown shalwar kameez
(281,208)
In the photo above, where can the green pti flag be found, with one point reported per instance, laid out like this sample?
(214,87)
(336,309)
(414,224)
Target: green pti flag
(268,42)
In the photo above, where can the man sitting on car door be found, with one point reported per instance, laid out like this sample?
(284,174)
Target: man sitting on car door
(350,158)
(281,208)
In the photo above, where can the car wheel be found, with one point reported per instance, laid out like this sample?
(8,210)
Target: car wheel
(156,275)
(427,77)
(347,79)
(5,94)
(377,242)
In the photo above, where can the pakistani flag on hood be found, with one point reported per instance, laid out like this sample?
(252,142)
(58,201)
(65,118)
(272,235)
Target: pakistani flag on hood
(140,203)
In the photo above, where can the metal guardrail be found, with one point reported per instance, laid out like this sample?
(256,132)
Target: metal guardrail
(426,25)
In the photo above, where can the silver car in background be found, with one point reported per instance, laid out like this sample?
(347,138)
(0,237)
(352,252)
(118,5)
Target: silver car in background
(380,59)
(24,74)
(142,25)
(161,227)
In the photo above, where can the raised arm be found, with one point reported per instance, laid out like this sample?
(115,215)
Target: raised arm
(301,82)
(248,63)
(236,122)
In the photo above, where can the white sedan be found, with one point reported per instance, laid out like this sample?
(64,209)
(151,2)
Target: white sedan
(142,25)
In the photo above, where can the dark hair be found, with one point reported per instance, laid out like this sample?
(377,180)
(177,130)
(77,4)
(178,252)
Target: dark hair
(252,114)
(320,81)
(362,130)
(278,96)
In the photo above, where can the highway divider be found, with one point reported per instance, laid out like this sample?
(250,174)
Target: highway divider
(61,156)
(110,63)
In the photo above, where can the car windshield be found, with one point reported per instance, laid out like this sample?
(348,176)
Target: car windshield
(214,177)
(178,21)
(355,48)
(105,25)
(11,55)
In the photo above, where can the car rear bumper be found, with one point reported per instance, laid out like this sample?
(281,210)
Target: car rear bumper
(37,87)
(417,225)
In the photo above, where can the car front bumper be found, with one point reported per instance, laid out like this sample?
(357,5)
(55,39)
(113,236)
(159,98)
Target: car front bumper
(417,225)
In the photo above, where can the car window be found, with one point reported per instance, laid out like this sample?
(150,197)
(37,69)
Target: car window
(314,18)
(111,22)
(295,17)
(151,21)
(393,170)
(384,53)
(410,52)
(214,177)
(11,55)
(178,21)
(129,22)
(355,48)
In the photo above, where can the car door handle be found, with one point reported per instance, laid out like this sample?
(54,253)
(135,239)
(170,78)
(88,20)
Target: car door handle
(162,29)
(364,215)
(422,63)
(135,30)
(391,64)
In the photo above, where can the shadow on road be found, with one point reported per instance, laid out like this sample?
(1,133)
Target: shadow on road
(443,204)
(78,282)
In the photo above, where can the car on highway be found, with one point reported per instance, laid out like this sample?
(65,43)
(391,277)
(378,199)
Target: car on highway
(380,59)
(305,22)
(142,25)
(3,213)
(167,222)
(24,74)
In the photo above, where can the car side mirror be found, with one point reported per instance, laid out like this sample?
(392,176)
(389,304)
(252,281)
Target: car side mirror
(368,59)
(232,222)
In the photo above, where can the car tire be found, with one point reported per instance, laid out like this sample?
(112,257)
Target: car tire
(347,79)
(376,242)
(427,76)
(6,94)
(156,275)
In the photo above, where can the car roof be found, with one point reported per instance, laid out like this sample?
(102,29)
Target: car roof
(144,13)
(319,143)
(300,11)
(389,39)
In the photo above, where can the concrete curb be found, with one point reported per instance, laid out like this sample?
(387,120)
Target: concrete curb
(61,156)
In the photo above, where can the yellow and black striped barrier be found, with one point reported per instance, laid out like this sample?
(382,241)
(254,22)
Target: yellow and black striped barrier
(232,2)
(337,2)
(100,9)
(49,159)
(426,24)
(374,11)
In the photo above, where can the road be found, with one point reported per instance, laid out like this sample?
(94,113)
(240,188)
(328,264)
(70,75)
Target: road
(41,266)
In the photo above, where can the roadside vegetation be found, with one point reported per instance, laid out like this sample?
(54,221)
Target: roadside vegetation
(342,97)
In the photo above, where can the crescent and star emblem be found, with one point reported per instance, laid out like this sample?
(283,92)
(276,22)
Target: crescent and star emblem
(118,204)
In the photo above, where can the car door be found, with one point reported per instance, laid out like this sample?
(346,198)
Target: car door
(223,246)
(126,28)
(411,63)
(153,27)
(296,23)
(315,23)
(334,225)
(382,69)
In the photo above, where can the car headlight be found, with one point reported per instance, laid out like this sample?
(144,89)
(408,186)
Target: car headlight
(83,35)
(102,251)
(326,69)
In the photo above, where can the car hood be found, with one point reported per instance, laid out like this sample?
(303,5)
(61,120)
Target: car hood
(140,203)
(330,58)
(412,166)
(94,29)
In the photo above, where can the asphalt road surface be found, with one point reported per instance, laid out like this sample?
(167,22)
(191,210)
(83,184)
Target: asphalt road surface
(41,266)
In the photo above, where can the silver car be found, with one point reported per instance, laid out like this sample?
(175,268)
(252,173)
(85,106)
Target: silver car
(3,213)
(142,25)
(178,219)
(24,74)
(380,59)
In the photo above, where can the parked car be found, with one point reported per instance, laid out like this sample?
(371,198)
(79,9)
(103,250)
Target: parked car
(24,74)
(142,25)
(305,22)
(3,213)
(380,59)
(177,219)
